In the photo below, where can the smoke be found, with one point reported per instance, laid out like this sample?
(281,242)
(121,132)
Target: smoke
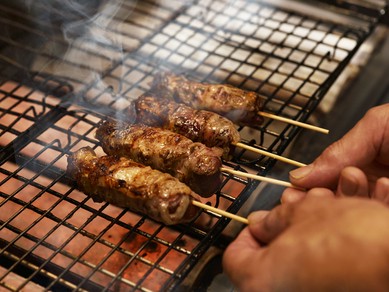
(83,40)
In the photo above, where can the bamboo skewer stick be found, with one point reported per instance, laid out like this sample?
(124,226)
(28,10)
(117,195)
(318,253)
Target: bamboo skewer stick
(221,212)
(269,154)
(260,178)
(293,122)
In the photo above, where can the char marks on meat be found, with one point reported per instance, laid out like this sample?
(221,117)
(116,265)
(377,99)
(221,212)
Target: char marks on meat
(192,163)
(127,184)
(239,105)
(202,126)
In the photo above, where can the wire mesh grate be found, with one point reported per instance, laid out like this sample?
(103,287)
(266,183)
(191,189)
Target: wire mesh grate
(61,73)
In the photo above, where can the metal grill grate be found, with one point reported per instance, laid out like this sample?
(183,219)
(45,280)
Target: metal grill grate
(56,84)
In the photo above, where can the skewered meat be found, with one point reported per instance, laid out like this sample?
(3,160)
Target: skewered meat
(238,105)
(202,126)
(192,163)
(128,184)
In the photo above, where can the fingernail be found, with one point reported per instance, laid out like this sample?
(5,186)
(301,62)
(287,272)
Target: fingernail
(256,217)
(292,197)
(381,190)
(301,172)
(348,186)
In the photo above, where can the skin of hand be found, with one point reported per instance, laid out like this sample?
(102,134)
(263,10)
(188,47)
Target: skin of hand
(355,165)
(316,244)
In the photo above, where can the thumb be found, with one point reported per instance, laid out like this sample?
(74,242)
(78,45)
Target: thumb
(325,170)
(359,147)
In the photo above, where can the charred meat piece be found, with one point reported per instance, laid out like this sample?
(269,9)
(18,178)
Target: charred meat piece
(240,106)
(202,126)
(192,163)
(128,184)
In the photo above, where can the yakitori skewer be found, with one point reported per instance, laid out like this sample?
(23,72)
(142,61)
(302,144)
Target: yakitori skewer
(221,212)
(240,106)
(293,122)
(269,154)
(260,178)
(128,184)
(203,126)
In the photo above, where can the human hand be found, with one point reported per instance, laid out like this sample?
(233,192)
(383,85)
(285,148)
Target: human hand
(352,182)
(357,164)
(326,244)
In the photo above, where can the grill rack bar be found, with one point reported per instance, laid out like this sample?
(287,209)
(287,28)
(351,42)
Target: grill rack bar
(31,265)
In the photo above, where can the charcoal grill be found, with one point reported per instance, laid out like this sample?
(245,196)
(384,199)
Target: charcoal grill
(64,67)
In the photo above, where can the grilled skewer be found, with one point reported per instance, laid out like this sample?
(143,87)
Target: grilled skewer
(192,163)
(221,212)
(240,106)
(127,184)
(203,126)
